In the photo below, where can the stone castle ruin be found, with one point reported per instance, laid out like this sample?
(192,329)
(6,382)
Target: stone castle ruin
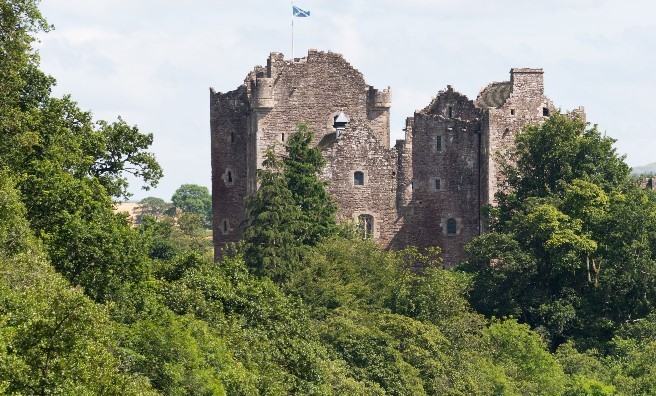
(427,190)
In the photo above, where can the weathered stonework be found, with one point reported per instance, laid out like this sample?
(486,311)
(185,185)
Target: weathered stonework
(427,190)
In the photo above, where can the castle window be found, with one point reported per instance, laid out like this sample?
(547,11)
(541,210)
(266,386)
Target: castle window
(228,177)
(232,137)
(282,137)
(366,226)
(358,178)
(451,228)
(450,111)
(545,111)
(438,143)
(438,184)
(512,112)
(339,122)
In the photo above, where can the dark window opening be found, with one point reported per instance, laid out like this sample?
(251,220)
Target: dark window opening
(232,137)
(438,143)
(450,112)
(366,226)
(225,225)
(451,226)
(545,111)
(512,112)
(229,177)
(438,184)
(358,178)
(283,138)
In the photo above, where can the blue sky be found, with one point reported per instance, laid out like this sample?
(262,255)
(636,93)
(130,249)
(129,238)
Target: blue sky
(153,61)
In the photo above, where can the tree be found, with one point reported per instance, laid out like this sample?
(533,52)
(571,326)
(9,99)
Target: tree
(192,198)
(153,207)
(273,239)
(302,167)
(571,245)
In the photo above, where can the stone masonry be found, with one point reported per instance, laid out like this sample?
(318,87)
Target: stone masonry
(427,190)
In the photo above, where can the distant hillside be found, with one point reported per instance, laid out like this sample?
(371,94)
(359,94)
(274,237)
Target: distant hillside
(641,170)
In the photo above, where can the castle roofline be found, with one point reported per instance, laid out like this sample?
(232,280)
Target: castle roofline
(495,94)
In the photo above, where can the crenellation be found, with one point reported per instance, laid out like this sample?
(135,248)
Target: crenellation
(427,190)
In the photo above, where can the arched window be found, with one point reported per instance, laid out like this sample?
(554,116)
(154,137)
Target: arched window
(366,225)
(451,227)
(358,178)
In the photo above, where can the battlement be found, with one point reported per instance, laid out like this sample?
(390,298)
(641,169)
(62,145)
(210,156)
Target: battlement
(380,99)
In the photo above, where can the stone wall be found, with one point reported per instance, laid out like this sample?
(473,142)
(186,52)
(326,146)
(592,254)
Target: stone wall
(228,121)
(509,106)
(445,167)
(359,149)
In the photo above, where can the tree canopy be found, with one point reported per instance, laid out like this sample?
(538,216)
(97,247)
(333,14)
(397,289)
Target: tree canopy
(90,305)
(571,244)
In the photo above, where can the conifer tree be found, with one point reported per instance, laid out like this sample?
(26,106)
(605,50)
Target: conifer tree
(301,168)
(271,241)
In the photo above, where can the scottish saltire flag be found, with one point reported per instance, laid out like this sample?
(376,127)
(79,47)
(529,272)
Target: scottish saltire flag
(300,13)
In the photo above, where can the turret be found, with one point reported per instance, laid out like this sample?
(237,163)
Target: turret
(263,94)
(380,100)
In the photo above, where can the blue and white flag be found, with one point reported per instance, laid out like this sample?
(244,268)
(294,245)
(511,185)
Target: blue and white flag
(300,13)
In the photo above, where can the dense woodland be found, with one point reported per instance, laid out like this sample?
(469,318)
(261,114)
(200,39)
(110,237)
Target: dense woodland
(556,299)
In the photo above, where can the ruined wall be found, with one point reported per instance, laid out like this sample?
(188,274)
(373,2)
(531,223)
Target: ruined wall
(358,149)
(445,167)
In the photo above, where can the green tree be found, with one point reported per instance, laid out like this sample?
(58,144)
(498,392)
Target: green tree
(192,198)
(272,242)
(152,206)
(571,245)
(302,167)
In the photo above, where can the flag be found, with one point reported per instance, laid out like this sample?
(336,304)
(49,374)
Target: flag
(300,13)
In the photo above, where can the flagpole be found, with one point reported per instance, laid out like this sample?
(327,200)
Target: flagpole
(292,31)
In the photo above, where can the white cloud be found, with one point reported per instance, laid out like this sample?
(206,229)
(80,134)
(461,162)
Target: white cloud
(152,61)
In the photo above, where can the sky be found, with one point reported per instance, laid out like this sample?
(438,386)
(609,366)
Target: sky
(153,61)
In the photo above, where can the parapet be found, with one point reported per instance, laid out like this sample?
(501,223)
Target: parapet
(380,99)
(263,94)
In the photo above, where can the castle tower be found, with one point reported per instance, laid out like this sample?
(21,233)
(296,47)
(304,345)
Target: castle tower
(267,109)
(508,107)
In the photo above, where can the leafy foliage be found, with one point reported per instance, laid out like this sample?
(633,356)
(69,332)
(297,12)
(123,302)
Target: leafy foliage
(194,199)
(90,305)
(569,238)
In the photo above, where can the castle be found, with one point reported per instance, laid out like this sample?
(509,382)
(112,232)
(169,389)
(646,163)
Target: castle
(427,190)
